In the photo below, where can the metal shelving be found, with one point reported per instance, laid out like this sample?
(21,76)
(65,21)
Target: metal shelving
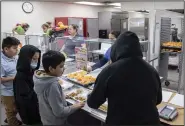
(164,56)
(181,62)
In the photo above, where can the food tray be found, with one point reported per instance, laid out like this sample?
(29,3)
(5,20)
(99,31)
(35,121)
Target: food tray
(75,81)
(104,107)
(65,85)
(81,78)
(172,47)
(78,94)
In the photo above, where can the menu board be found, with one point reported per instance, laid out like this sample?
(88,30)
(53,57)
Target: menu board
(81,58)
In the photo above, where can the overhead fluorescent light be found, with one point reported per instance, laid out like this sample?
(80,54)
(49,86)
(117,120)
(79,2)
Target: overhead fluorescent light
(89,3)
(115,4)
(117,7)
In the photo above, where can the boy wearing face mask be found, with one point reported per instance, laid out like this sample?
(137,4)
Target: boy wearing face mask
(8,71)
(52,103)
(25,97)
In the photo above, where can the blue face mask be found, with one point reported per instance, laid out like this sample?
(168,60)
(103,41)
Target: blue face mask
(33,64)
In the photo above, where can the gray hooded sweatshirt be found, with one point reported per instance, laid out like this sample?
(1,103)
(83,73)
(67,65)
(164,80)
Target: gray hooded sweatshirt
(52,104)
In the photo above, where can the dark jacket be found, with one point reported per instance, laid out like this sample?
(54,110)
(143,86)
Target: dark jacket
(25,97)
(130,84)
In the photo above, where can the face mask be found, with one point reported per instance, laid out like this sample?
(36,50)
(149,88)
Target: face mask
(33,64)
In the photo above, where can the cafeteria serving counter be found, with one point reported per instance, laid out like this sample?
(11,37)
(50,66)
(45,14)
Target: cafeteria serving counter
(101,115)
(96,113)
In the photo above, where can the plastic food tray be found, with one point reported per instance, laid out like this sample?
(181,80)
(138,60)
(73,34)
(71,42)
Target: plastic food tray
(77,82)
(66,85)
(105,106)
(83,93)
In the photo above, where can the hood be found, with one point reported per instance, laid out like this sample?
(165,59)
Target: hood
(127,45)
(42,81)
(25,56)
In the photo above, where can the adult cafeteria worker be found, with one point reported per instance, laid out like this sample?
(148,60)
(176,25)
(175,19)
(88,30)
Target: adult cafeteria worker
(75,40)
(113,36)
(21,29)
(46,29)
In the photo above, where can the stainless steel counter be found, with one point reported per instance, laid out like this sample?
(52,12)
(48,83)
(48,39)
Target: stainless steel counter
(98,114)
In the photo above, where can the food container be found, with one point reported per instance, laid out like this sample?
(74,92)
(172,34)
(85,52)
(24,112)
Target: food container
(65,85)
(78,94)
(81,78)
(104,107)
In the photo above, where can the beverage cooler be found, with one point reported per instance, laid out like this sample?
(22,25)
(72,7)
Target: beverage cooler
(87,26)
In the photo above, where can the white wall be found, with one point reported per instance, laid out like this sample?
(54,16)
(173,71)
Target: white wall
(126,6)
(12,13)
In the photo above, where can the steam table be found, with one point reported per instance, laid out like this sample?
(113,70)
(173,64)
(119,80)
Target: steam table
(100,115)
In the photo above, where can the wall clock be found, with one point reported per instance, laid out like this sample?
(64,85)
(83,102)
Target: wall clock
(27,7)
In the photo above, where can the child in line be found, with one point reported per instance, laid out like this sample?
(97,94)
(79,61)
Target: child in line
(52,103)
(8,72)
(25,96)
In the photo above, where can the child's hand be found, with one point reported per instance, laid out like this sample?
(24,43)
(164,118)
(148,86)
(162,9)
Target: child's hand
(6,79)
(67,97)
(79,105)
(13,78)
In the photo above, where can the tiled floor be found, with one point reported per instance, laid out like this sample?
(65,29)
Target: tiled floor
(172,75)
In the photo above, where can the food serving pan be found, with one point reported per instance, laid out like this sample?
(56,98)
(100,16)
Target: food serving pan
(78,94)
